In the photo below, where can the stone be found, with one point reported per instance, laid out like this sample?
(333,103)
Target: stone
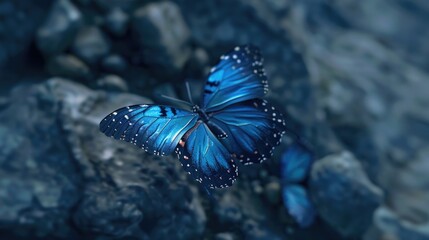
(343,195)
(388,225)
(4,102)
(198,64)
(162,36)
(165,89)
(224,236)
(68,66)
(114,63)
(228,210)
(112,83)
(272,192)
(91,45)
(15,44)
(253,230)
(125,5)
(59,29)
(39,180)
(83,183)
(116,22)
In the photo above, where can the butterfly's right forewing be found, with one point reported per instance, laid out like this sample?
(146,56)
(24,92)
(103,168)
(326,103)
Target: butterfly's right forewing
(239,76)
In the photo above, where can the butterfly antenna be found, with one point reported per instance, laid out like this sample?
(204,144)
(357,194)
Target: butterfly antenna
(172,99)
(188,91)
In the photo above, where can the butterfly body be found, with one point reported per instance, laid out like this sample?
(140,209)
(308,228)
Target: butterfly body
(232,122)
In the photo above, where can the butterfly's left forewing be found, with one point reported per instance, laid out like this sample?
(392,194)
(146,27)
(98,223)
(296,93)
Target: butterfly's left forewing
(156,129)
(205,158)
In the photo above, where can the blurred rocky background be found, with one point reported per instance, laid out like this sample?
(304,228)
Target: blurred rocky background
(351,77)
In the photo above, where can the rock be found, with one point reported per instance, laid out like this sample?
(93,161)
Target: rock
(15,44)
(272,192)
(59,29)
(225,236)
(162,36)
(114,63)
(253,230)
(343,195)
(228,210)
(39,179)
(68,66)
(108,5)
(391,226)
(112,83)
(4,102)
(198,64)
(399,21)
(166,90)
(117,22)
(91,45)
(82,176)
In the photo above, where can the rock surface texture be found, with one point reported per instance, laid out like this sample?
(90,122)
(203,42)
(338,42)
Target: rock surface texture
(350,77)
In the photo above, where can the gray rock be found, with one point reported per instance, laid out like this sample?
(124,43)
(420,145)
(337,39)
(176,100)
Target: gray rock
(163,37)
(14,44)
(82,176)
(114,63)
(165,89)
(198,64)
(379,121)
(112,83)
(228,210)
(4,102)
(272,192)
(108,5)
(389,225)
(117,22)
(225,236)
(343,195)
(91,45)
(68,66)
(38,177)
(59,29)
(253,230)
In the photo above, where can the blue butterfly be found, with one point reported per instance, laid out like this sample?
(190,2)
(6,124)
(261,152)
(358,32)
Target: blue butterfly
(295,165)
(232,123)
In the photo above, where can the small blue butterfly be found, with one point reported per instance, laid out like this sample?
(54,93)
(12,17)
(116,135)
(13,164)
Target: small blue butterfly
(232,123)
(295,165)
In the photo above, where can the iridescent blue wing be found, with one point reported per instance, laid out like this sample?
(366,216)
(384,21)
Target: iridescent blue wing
(295,163)
(298,204)
(239,76)
(156,129)
(254,128)
(205,158)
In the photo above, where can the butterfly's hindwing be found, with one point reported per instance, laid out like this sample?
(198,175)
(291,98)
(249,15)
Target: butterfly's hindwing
(298,204)
(254,128)
(156,129)
(206,159)
(295,163)
(239,76)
